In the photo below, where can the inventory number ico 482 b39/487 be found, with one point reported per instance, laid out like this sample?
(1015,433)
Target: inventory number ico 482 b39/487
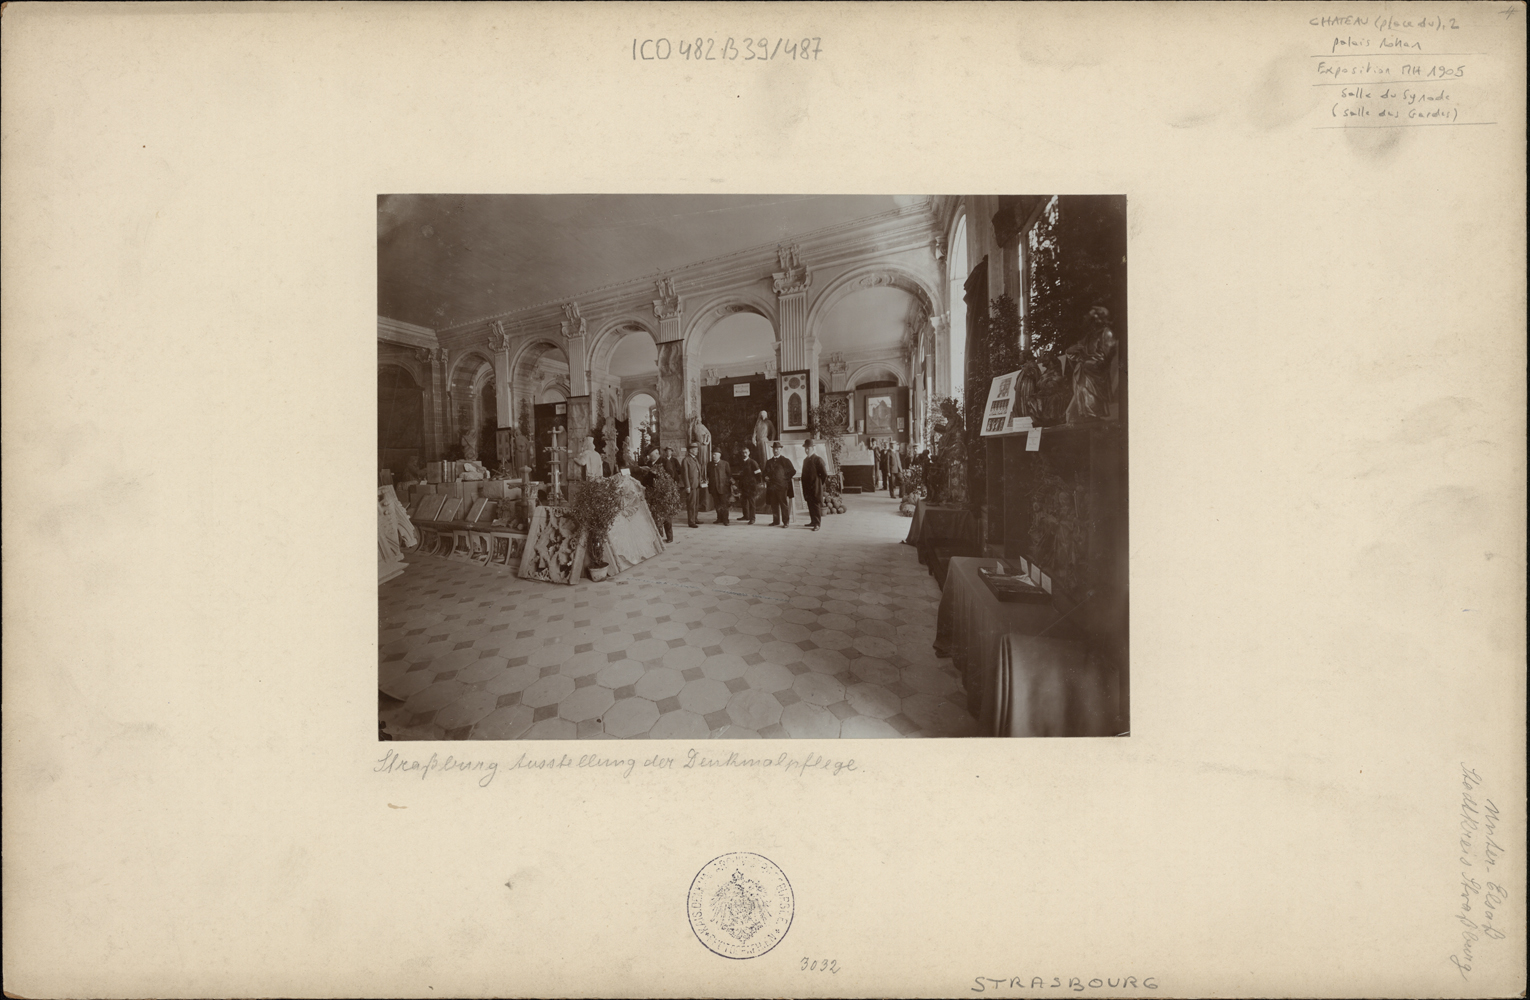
(728,50)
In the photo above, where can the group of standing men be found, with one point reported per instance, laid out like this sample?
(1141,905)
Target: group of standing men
(890,466)
(694,476)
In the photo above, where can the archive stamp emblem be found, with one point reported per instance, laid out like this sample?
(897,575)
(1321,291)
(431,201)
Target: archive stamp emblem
(740,905)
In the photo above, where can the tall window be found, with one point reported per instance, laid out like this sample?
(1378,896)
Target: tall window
(956,271)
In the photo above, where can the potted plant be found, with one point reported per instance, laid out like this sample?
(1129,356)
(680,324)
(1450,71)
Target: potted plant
(595,507)
(663,496)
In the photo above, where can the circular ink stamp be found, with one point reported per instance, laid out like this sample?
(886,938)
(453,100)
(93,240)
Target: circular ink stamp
(740,905)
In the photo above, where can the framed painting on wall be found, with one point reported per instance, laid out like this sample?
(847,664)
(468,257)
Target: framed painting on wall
(794,401)
(880,415)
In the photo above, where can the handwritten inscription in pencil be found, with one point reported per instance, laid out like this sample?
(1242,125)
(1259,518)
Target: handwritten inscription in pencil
(1478,853)
(1386,71)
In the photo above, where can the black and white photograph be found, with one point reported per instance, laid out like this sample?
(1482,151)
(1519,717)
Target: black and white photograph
(591,408)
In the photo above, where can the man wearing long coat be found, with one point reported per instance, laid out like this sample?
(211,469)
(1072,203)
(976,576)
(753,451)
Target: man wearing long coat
(749,473)
(894,470)
(692,479)
(814,475)
(721,479)
(778,486)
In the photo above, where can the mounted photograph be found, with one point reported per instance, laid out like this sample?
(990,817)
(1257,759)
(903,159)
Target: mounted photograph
(597,414)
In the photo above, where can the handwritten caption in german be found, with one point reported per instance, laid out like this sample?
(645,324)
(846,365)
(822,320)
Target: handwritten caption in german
(483,770)
(1478,854)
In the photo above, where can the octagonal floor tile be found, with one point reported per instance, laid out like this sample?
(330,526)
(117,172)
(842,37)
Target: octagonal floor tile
(930,680)
(647,649)
(437,695)
(807,721)
(513,679)
(790,632)
(777,651)
(552,729)
(466,710)
(874,670)
(548,691)
(740,644)
(860,727)
(679,725)
(768,677)
(724,667)
(684,658)
(825,661)
(703,637)
(659,683)
(509,723)
(829,638)
(583,664)
(754,709)
(620,674)
(704,696)
(586,703)
(873,700)
(630,717)
(818,689)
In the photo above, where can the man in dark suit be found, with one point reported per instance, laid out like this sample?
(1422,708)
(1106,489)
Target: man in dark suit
(814,475)
(671,464)
(749,472)
(693,480)
(894,470)
(719,475)
(778,486)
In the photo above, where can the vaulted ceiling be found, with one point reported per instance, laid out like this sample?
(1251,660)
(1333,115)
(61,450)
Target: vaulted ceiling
(448,259)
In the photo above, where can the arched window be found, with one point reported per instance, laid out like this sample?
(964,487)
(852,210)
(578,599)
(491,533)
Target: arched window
(956,272)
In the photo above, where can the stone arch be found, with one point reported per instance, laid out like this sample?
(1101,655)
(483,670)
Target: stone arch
(725,304)
(603,345)
(886,369)
(458,366)
(407,362)
(521,352)
(871,276)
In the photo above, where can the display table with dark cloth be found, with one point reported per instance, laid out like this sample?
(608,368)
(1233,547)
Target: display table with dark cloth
(940,532)
(1019,682)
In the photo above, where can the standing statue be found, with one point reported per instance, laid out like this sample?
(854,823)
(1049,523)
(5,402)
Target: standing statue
(588,460)
(520,449)
(1093,361)
(700,436)
(764,433)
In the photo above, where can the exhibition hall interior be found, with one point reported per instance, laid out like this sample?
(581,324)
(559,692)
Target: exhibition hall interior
(743,467)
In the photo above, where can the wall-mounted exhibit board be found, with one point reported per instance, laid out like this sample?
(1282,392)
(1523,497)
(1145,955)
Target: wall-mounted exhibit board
(1327,506)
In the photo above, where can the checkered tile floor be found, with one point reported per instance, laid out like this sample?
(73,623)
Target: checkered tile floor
(732,633)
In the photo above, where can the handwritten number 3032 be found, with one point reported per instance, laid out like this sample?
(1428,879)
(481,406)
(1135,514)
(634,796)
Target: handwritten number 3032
(820,965)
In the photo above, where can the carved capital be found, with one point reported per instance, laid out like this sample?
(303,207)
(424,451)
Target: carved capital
(710,376)
(573,324)
(793,276)
(837,363)
(499,340)
(940,248)
(668,304)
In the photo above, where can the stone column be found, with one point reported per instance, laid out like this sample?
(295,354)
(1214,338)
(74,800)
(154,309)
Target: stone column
(499,350)
(574,332)
(677,404)
(436,404)
(799,348)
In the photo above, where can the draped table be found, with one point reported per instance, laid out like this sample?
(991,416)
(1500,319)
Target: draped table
(938,526)
(1025,667)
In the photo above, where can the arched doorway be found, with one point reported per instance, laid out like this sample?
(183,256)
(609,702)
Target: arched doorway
(634,362)
(643,422)
(539,375)
(735,354)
